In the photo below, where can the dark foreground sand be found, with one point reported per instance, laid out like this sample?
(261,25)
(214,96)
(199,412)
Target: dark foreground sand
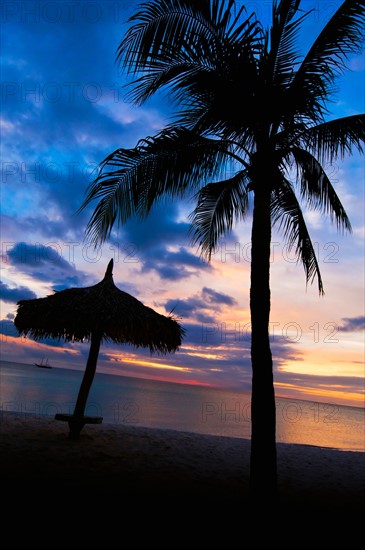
(37,457)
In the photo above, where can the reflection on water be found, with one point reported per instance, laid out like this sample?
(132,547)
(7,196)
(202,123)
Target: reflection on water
(121,400)
(320,424)
(297,421)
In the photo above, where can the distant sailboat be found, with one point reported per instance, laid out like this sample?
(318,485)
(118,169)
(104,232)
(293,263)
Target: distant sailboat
(43,364)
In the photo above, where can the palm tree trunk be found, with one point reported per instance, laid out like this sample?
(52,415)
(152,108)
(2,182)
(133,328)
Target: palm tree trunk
(263,474)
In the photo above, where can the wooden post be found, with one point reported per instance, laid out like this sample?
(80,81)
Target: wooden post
(77,422)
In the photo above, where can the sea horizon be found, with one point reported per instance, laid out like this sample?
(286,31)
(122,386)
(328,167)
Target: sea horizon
(188,385)
(25,388)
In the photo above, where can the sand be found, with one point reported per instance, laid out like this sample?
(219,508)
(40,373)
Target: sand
(37,457)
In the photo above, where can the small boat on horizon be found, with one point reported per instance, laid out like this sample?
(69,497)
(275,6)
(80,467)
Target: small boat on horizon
(43,364)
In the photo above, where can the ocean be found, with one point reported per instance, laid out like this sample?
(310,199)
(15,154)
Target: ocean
(126,400)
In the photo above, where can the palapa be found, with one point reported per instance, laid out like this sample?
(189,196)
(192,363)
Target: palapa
(97,313)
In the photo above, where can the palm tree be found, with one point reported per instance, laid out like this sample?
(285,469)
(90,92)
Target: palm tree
(248,102)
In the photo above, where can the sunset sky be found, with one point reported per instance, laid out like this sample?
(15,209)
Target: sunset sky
(63,111)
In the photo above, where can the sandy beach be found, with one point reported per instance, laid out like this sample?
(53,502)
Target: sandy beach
(37,455)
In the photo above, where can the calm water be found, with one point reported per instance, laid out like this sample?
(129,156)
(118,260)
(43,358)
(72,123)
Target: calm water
(122,400)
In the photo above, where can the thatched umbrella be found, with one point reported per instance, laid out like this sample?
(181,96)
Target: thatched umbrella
(97,313)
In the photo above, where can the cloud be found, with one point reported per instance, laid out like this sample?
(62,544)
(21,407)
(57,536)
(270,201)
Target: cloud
(190,308)
(214,297)
(7,328)
(161,244)
(352,324)
(172,265)
(45,263)
(302,380)
(203,306)
(15,226)
(13,295)
(162,225)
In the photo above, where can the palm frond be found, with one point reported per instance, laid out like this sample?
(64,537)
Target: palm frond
(335,138)
(317,189)
(157,25)
(219,204)
(173,42)
(326,59)
(130,181)
(287,214)
(162,28)
(179,74)
(283,37)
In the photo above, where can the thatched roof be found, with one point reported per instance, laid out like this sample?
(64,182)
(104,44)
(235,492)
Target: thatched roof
(74,314)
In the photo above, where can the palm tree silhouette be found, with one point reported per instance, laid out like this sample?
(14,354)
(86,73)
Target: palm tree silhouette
(248,102)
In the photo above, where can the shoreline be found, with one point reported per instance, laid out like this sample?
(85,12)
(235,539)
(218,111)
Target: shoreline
(36,454)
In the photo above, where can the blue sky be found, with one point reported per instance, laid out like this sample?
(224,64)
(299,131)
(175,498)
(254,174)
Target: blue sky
(63,111)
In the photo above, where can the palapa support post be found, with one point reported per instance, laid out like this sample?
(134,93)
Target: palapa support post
(88,375)
(78,420)
(75,425)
